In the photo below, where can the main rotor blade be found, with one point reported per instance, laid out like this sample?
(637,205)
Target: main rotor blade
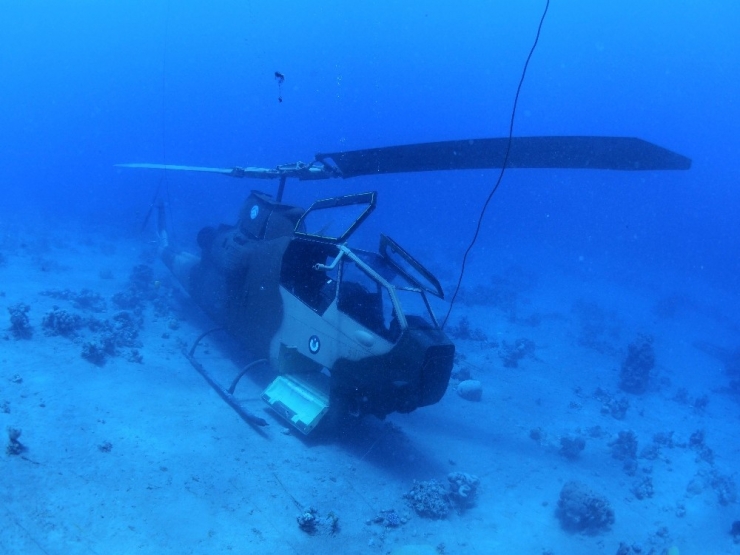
(298,169)
(226,171)
(583,152)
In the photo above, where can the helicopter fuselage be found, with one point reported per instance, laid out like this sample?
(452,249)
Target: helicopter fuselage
(329,318)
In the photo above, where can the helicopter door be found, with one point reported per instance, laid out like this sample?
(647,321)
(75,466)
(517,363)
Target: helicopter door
(407,265)
(335,219)
(300,394)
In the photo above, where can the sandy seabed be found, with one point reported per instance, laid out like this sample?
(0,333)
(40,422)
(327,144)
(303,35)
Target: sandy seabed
(139,454)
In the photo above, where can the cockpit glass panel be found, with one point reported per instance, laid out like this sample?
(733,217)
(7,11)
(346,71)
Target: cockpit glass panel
(405,263)
(411,298)
(331,223)
(335,219)
(415,308)
(366,301)
(315,287)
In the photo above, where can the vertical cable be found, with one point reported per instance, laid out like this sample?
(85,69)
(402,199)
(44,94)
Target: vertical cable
(503,166)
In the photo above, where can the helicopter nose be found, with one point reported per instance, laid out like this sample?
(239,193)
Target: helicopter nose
(435,373)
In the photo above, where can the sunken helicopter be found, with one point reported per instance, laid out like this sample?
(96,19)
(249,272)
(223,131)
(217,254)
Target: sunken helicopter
(350,331)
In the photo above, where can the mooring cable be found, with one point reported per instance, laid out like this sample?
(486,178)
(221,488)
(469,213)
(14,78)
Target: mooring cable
(503,166)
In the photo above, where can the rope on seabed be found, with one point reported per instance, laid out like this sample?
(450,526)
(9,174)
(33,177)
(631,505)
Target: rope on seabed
(19,525)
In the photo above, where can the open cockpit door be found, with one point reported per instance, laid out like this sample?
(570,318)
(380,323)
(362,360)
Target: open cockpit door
(407,265)
(335,219)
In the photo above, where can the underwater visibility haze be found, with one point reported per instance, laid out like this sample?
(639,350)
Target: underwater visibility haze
(591,400)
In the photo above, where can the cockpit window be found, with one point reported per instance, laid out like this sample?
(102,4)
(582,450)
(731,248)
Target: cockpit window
(367,287)
(416,309)
(366,301)
(412,299)
(316,288)
(335,219)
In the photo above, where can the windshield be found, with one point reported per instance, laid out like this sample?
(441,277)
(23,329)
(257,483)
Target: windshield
(410,298)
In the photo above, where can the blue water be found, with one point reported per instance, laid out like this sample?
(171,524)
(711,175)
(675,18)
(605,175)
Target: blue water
(85,85)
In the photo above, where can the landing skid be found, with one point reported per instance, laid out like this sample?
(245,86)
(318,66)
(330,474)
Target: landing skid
(226,394)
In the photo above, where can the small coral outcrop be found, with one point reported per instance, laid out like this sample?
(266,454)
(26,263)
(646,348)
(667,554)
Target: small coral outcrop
(463,489)
(20,324)
(429,499)
(582,510)
(634,376)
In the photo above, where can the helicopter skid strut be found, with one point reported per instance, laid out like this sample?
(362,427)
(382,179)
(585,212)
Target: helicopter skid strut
(225,394)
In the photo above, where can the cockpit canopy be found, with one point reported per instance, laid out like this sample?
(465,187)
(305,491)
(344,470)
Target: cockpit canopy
(385,292)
